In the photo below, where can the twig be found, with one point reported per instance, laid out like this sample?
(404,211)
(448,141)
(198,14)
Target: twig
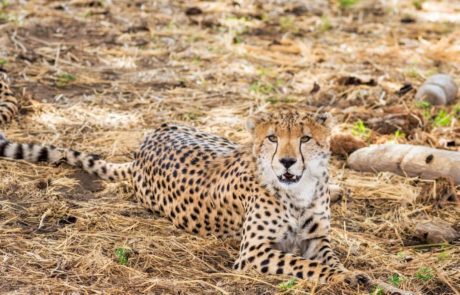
(389,289)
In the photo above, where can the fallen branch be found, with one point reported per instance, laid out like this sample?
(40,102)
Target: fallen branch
(389,289)
(407,160)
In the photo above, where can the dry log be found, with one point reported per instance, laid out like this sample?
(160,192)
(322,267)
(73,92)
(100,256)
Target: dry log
(389,289)
(407,160)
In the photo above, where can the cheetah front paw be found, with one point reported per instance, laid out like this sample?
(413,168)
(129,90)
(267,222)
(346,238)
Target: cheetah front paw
(355,278)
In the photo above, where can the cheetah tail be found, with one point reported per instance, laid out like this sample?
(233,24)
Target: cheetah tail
(88,162)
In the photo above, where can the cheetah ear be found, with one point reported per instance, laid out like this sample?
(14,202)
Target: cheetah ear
(254,120)
(325,119)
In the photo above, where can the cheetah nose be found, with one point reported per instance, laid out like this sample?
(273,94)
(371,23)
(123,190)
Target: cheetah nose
(288,162)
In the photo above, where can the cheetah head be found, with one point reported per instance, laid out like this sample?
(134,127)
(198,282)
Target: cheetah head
(291,147)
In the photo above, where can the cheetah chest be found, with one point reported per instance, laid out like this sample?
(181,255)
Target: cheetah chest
(294,232)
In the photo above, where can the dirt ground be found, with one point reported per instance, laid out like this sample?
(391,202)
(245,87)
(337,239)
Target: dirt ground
(97,75)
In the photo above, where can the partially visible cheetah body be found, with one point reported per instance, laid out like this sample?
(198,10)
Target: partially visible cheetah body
(273,195)
(8,102)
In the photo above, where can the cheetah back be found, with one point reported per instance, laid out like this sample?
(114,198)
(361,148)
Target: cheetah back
(196,179)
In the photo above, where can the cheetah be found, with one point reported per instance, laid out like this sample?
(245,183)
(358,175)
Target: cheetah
(271,194)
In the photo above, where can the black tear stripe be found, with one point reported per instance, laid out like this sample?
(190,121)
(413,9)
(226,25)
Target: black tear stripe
(19,154)
(43,156)
(274,154)
(3,147)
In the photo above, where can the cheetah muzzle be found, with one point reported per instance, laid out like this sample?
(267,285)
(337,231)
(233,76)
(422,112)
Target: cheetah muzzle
(288,178)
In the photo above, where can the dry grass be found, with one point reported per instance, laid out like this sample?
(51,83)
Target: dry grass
(95,75)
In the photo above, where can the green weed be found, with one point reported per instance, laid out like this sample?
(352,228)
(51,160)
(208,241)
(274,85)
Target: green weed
(266,72)
(398,135)
(347,3)
(423,104)
(457,110)
(287,24)
(424,273)
(260,87)
(238,39)
(122,255)
(197,60)
(395,279)
(442,119)
(377,291)
(191,116)
(285,286)
(360,129)
(325,24)
(426,106)
(64,79)
(443,256)
(238,25)
(275,100)
(4,18)
(418,4)
(3,62)
(401,255)
(413,73)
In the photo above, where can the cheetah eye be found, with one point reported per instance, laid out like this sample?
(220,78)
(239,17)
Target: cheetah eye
(273,138)
(305,138)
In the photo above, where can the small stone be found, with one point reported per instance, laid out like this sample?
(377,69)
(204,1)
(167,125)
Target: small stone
(439,89)
(435,232)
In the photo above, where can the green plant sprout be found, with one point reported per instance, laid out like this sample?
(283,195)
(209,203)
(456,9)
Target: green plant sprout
(413,73)
(325,24)
(443,256)
(285,286)
(426,106)
(377,291)
(347,3)
(398,135)
(360,129)
(64,79)
(418,4)
(424,273)
(288,24)
(262,88)
(457,110)
(395,279)
(442,119)
(122,255)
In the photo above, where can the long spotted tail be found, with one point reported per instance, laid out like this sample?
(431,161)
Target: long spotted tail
(88,162)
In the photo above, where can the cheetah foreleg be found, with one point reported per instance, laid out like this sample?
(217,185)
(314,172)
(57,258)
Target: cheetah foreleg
(268,260)
(319,249)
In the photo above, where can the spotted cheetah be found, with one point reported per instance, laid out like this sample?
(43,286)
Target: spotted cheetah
(271,194)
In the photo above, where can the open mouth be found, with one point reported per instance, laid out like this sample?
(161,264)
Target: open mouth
(288,178)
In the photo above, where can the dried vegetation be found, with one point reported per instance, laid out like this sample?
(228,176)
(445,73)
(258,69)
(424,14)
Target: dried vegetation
(95,75)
